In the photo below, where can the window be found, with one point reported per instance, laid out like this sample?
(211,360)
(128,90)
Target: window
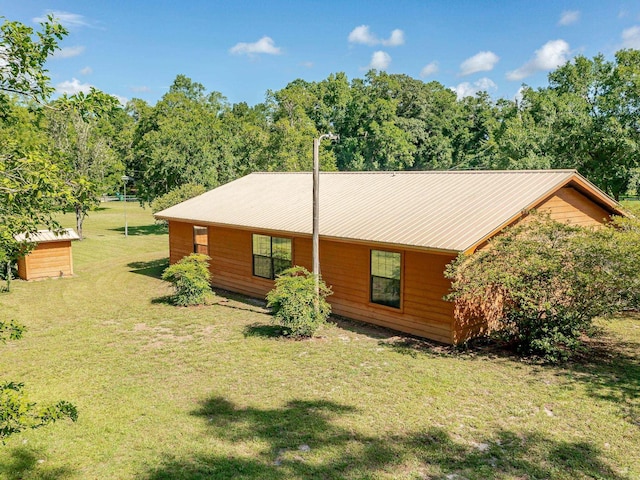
(200,240)
(385,278)
(271,255)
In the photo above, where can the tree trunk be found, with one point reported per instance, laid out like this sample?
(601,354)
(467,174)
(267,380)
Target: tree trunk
(8,278)
(79,220)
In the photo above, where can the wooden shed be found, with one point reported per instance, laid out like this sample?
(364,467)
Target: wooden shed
(52,256)
(385,237)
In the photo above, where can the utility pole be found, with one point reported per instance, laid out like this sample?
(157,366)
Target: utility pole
(125,179)
(316,210)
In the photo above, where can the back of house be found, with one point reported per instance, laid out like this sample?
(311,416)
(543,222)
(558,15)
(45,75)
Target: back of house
(385,237)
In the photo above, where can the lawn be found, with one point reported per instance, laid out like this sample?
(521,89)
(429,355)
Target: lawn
(212,392)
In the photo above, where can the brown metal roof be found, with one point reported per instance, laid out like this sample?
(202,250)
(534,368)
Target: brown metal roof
(43,236)
(443,210)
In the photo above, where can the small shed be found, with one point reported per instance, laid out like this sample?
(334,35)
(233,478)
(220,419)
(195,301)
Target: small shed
(50,258)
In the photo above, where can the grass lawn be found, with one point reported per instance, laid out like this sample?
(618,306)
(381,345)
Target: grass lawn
(210,392)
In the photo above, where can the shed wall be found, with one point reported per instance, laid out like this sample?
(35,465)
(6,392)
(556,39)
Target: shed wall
(51,259)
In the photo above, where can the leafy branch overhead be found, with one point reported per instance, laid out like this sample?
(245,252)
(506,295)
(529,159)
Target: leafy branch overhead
(22,57)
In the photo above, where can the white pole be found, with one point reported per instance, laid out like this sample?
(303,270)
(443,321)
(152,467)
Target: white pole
(316,211)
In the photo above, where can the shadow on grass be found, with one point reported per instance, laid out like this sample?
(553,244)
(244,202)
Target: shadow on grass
(307,439)
(164,300)
(610,370)
(152,268)
(27,463)
(136,230)
(608,366)
(264,331)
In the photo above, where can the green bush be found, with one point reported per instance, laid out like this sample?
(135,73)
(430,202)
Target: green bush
(190,278)
(293,302)
(547,281)
(176,196)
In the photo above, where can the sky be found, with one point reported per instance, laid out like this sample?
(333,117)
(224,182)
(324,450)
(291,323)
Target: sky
(242,49)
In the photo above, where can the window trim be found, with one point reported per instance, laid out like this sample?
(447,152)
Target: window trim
(400,307)
(195,243)
(270,257)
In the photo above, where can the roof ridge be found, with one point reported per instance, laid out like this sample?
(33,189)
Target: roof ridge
(423,172)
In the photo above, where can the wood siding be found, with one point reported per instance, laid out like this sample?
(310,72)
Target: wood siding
(346,268)
(571,206)
(180,240)
(47,260)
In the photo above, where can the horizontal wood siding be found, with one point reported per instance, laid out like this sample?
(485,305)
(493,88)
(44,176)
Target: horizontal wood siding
(571,206)
(231,264)
(180,240)
(345,267)
(47,260)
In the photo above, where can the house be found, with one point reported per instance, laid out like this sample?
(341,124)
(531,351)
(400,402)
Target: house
(385,237)
(50,258)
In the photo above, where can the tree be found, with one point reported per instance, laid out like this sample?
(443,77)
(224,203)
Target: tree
(22,58)
(91,165)
(181,140)
(544,282)
(31,189)
(589,117)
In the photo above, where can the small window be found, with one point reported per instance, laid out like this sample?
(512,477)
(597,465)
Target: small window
(271,255)
(200,240)
(385,278)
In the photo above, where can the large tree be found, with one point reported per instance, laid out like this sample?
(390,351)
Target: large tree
(181,140)
(31,189)
(588,118)
(76,127)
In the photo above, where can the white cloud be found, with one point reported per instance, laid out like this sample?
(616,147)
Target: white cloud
(264,45)
(86,71)
(551,55)
(396,39)
(140,89)
(480,62)
(467,89)
(363,35)
(569,17)
(429,69)
(65,18)
(380,60)
(68,52)
(631,37)
(72,87)
(307,64)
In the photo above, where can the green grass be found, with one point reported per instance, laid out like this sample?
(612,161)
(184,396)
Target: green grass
(212,392)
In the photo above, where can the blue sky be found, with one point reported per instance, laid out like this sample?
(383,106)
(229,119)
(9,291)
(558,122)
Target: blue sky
(243,48)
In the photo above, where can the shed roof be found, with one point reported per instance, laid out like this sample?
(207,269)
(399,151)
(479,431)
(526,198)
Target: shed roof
(438,210)
(43,236)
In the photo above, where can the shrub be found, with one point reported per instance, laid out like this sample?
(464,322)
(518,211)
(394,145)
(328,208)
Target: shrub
(547,281)
(190,278)
(293,302)
(176,196)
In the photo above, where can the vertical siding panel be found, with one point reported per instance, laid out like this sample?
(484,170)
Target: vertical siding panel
(50,259)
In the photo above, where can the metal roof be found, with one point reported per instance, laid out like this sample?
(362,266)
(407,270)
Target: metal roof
(439,210)
(43,236)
